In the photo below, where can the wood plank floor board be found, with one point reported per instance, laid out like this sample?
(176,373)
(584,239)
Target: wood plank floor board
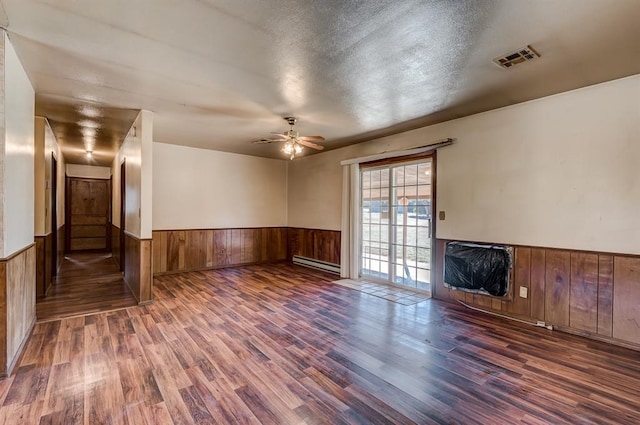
(86,283)
(279,344)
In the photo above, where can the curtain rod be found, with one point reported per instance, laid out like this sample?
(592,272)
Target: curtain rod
(402,152)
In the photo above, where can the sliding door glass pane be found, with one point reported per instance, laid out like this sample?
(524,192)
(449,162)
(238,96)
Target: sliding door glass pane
(396,223)
(375,223)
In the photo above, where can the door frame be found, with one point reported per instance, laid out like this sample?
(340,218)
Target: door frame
(68,214)
(390,162)
(123,192)
(54,216)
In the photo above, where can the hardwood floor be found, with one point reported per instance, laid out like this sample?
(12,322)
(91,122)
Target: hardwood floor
(279,344)
(86,283)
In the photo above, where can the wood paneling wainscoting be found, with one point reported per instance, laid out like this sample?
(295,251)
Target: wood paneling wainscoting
(199,249)
(115,244)
(138,268)
(323,245)
(587,293)
(44,268)
(17,304)
(61,246)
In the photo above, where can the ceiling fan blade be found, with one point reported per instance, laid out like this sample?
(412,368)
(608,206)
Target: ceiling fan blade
(310,138)
(266,141)
(310,145)
(283,135)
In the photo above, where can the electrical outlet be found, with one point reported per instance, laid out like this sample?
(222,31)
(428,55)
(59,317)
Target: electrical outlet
(524,292)
(441,215)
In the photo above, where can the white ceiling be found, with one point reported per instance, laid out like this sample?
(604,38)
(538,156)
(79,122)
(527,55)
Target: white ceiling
(221,74)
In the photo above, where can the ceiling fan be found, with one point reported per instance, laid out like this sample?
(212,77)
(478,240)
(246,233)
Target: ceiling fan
(293,142)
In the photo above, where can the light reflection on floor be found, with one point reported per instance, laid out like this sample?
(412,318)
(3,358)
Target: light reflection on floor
(398,295)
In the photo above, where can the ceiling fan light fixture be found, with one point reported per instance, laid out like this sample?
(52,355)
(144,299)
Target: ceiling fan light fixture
(294,144)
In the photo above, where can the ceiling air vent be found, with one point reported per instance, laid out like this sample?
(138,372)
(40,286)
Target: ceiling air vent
(516,57)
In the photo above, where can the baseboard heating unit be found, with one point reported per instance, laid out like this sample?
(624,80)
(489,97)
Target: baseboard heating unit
(316,264)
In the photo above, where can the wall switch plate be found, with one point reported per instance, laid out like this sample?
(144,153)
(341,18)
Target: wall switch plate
(441,215)
(524,292)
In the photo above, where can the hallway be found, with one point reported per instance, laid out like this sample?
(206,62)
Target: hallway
(86,283)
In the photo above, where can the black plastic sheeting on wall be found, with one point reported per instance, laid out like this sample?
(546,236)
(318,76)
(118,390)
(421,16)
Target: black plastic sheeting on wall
(477,268)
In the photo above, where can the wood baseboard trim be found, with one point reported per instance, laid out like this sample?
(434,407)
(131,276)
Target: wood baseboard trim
(599,338)
(18,355)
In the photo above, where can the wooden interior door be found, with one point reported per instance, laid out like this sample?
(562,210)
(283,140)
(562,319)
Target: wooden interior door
(88,206)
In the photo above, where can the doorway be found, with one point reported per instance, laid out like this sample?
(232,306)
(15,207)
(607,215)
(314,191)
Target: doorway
(88,209)
(397,227)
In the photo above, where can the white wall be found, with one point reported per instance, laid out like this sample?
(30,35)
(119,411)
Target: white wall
(144,124)
(136,151)
(560,171)
(201,189)
(45,146)
(40,173)
(315,190)
(61,189)
(18,178)
(88,171)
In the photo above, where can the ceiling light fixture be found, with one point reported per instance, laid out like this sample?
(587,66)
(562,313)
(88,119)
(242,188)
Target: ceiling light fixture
(294,143)
(292,148)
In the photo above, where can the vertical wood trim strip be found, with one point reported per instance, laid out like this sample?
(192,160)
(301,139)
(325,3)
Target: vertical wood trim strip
(557,293)
(605,295)
(3,313)
(538,279)
(626,287)
(583,311)
(521,275)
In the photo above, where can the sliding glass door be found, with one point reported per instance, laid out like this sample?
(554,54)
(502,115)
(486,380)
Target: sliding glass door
(396,220)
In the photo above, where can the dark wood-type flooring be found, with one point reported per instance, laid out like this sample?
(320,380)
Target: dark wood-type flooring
(279,344)
(86,283)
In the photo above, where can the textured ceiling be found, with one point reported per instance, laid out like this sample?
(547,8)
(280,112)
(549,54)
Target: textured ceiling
(221,74)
